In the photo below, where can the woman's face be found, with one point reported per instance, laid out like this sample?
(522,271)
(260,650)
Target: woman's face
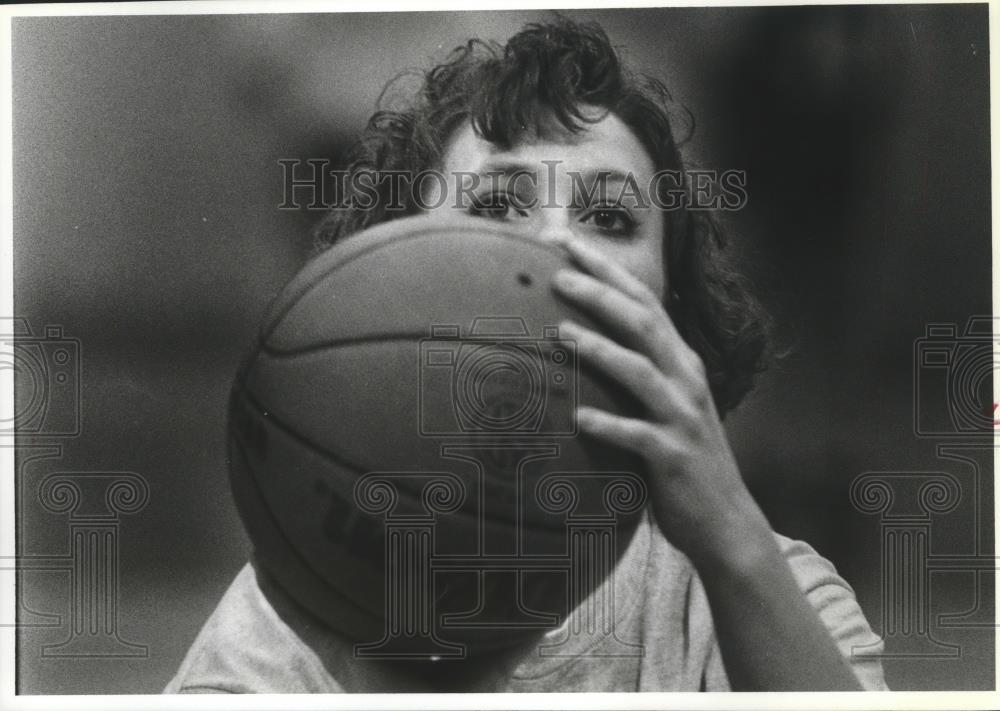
(551,188)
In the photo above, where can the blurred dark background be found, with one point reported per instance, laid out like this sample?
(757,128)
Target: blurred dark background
(146,186)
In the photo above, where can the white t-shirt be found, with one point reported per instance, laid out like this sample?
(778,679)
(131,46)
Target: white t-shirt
(662,639)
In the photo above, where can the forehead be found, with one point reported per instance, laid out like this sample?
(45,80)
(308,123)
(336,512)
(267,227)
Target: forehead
(606,145)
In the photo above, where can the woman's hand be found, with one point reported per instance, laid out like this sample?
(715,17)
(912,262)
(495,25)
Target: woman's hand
(770,636)
(699,498)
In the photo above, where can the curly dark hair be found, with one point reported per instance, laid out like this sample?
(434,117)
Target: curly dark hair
(553,69)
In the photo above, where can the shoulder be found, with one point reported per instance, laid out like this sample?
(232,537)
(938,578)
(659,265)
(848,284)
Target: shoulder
(834,600)
(677,591)
(247,647)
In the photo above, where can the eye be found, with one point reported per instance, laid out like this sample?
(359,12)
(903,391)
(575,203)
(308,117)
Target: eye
(497,206)
(613,220)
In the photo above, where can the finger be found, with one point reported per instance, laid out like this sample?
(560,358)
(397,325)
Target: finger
(600,299)
(638,436)
(635,372)
(596,263)
(644,329)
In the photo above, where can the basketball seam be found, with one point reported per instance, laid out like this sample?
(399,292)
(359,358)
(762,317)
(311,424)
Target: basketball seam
(389,239)
(322,451)
(276,522)
(275,353)
(346,463)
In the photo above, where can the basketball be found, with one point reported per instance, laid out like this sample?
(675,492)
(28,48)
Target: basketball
(403,446)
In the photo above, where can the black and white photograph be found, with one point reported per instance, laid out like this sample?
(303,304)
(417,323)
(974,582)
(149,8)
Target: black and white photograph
(350,349)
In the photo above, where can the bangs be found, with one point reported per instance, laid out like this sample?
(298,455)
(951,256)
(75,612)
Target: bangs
(540,83)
